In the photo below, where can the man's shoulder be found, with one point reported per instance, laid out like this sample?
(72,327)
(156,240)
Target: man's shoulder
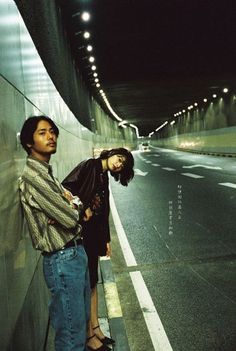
(30,170)
(28,176)
(33,172)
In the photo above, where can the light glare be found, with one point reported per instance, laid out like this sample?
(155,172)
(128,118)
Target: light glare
(86,35)
(85,16)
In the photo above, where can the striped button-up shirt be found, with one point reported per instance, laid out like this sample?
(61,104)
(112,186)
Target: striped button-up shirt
(42,199)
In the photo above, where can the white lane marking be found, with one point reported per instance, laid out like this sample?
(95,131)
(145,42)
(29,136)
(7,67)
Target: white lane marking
(168,169)
(148,161)
(203,166)
(230,185)
(155,164)
(156,155)
(139,172)
(156,330)
(192,175)
(127,252)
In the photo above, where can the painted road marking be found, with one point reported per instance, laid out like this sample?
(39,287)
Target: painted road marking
(139,172)
(230,185)
(203,166)
(156,330)
(168,169)
(192,175)
(127,252)
(148,161)
(155,164)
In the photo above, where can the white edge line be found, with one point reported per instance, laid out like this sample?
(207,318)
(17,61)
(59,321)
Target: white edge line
(127,252)
(230,185)
(192,175)
(156,330)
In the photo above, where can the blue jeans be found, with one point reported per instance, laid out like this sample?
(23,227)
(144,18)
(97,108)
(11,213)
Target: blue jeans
(66,275)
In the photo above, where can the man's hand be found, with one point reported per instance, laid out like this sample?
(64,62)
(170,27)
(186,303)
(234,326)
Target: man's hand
(88,214)
(51,221)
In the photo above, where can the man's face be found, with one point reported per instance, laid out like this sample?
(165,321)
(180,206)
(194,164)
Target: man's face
(45,141)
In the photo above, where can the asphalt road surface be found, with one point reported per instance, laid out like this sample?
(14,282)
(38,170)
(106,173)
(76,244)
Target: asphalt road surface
(177,276)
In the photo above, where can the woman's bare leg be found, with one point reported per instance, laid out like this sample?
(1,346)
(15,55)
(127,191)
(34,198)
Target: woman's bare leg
(94,334)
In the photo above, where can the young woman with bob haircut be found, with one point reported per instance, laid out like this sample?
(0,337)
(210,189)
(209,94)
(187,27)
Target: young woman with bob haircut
(89,180)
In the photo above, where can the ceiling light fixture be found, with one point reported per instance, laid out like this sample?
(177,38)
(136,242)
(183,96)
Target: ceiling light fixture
(89,48)
(85,16)
(163,125)
(122,123)
(86,35)
(136,128)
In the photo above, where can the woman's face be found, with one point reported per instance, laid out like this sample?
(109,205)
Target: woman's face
(116,163)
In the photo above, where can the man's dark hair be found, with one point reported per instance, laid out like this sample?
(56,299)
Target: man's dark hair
(127,173)
(30,126)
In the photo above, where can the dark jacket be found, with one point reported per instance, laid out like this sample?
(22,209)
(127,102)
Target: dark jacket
(86,181)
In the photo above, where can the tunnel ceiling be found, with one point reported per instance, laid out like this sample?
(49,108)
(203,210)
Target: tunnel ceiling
(154,58)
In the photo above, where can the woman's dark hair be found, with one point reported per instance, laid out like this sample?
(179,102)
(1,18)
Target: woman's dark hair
(30,126)
(127,173)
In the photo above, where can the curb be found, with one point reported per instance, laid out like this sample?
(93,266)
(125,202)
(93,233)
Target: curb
(115,317)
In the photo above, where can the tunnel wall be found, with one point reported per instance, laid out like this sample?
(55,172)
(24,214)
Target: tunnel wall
(27,89)
(220,142)
(210,129)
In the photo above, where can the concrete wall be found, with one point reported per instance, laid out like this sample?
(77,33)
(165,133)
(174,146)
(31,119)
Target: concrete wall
(26,89)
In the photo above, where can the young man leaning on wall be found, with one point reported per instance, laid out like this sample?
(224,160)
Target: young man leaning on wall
(53,214)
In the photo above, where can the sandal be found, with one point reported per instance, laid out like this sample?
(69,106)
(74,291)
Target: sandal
(101,348)
(105,340)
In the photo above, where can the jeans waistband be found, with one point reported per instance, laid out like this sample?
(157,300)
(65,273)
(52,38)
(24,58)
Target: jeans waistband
(71,243)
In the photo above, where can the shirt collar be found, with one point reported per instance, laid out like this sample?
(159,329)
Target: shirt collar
(42,165)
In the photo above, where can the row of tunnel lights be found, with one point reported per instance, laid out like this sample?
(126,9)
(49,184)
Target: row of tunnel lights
(85,16)
(225,91)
